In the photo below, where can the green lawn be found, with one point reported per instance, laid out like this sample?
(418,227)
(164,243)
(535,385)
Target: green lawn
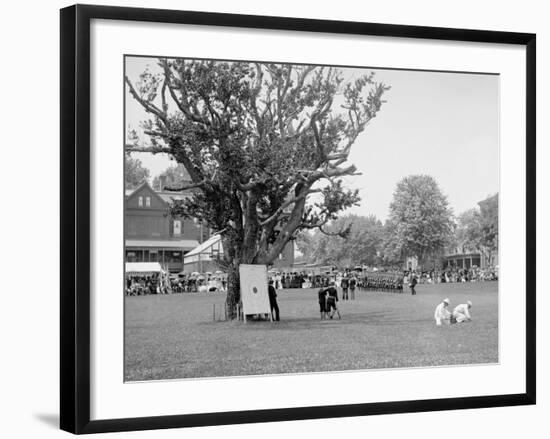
(175,336)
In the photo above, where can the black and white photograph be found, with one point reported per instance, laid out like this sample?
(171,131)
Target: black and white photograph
(275,219)
(297,218)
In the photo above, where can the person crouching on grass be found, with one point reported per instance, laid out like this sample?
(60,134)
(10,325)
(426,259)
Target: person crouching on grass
(323,302)
(441,312)
(461,313)
(331,300)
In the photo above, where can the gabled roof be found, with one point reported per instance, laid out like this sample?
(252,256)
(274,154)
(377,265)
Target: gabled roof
(165,196)
(214,239)
(140,188)
(182,244)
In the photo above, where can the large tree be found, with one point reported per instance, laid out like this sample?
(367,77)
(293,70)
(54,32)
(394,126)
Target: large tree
(258,140)
(134,172)
(420,223)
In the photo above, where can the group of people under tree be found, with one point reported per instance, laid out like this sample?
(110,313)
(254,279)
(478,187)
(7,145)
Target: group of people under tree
(143,285)
(189,283)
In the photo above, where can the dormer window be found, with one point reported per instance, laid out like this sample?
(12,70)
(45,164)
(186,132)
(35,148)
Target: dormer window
(140,201)
(148,201)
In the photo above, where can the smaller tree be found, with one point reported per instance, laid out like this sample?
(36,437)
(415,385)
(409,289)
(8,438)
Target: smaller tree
(477,229)
(173,176)
(134,172)
(488,211)
(360,245)
(420,223)
(468,231)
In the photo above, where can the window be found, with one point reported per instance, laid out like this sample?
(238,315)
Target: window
(148,201)
(171,257)
(140,201)
(177,227)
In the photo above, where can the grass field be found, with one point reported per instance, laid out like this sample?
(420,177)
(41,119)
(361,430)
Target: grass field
(169,337)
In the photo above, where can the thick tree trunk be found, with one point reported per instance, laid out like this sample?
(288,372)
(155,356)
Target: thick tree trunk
(233,291)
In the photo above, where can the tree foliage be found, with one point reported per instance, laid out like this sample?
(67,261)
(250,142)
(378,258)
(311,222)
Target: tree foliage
(361,246)
(257,141)
(134,172)
(468,231)
(420,222)
(477,228)
(173,176)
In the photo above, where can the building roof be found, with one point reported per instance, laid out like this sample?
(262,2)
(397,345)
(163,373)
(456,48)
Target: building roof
(183,244)
(462,255)
(166,196)
(214,239)
(142,186)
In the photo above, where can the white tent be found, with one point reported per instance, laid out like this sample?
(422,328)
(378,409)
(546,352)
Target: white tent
(143,268)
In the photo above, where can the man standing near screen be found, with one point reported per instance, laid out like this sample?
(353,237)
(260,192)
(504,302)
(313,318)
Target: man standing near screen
(273,300)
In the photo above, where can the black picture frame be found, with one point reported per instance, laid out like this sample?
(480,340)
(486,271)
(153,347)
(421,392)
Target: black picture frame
(75,217)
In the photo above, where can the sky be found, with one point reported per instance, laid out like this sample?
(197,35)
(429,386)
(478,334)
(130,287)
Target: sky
(438,123)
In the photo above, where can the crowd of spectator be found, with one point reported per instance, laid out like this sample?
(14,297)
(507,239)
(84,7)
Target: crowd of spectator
(193,283)
(373,279)
(382,278)
(145,285)
(176,283)
(451,274)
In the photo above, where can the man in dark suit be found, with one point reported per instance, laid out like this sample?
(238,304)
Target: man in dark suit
(412,283)
(331,301)
(344,283)
(273,300)
(323,302)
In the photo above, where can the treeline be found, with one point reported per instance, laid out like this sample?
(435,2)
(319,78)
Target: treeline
(420,224)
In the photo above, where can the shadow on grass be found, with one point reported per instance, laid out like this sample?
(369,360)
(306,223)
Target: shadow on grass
(301,323)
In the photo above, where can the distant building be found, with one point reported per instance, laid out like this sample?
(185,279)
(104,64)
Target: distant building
(152,235)
(465,260)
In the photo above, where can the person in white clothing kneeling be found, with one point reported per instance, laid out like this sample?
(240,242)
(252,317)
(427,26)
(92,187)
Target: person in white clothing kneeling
(442,313)
(461,313)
